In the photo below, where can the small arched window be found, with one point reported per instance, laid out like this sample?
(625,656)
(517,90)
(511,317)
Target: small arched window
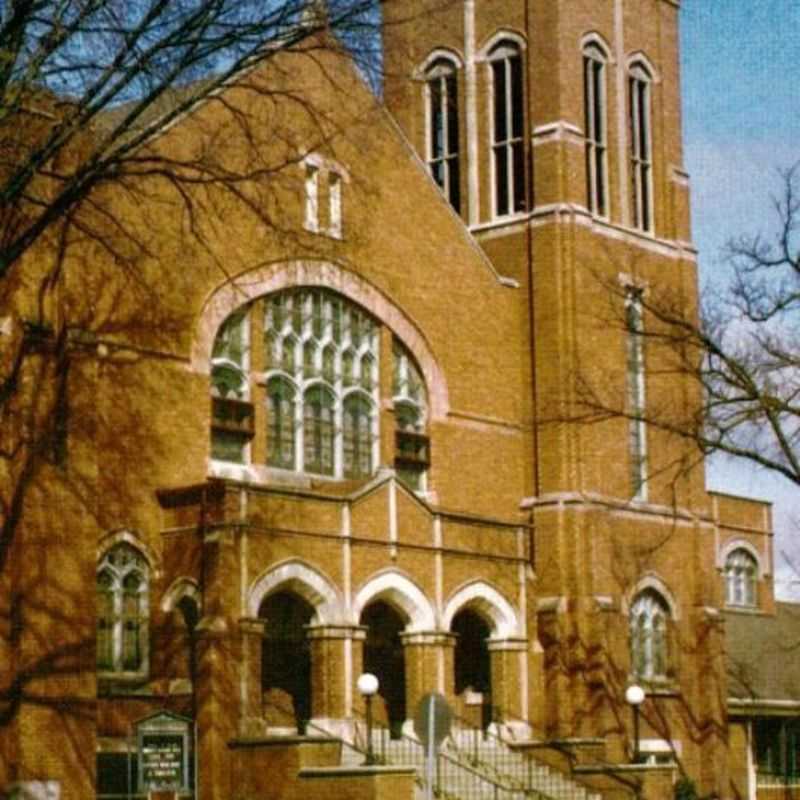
(595,129)
(443,133)
(741,573)
(508,126)
(649,616)
(122,612)
(641,146)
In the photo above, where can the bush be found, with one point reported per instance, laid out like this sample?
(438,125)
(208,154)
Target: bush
(685,790)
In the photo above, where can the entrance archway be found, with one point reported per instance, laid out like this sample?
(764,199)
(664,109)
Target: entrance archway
(472,662)
(384,658)
(286,656)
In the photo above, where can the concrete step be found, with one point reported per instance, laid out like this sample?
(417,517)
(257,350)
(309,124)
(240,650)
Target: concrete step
(474,768)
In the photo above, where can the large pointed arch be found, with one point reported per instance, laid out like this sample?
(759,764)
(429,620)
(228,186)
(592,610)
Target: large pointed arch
(489,603)
(401,593)
(309,583)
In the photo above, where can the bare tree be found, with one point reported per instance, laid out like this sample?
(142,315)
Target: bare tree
(738,352)
(89,91)
(85,83)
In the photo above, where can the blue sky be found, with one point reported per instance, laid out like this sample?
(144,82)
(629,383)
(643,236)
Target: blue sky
(741,94)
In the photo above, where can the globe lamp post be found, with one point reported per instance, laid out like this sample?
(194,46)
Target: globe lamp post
(367,685)
(634,697)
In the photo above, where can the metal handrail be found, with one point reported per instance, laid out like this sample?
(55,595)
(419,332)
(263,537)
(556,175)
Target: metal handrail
(457,766)
(500,775)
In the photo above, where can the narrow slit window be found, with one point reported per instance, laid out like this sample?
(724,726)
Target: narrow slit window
(635,374)
(334,205)
(312,198)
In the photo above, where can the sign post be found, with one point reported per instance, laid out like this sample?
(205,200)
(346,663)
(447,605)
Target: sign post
(432,725)
(163,742)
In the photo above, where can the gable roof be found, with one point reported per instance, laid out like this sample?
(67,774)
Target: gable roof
(763,656)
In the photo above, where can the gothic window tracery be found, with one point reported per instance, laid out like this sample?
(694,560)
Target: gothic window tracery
(122,611)
(648,621)
(741,573)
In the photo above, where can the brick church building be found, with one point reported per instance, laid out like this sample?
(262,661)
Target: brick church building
(353,439)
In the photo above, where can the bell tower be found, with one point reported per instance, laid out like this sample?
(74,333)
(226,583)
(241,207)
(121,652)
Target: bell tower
(553,128)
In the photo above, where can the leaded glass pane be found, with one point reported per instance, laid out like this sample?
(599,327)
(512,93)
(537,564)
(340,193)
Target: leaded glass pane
(648,636)
(227,446)
(367,367)
(121,610)
(281,427)
(347,368)
(408,390)
(329,364)
(318,431)
(357,445)
(231,340)
(741,572)
(309,357)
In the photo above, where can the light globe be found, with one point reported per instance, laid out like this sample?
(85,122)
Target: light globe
(634,695)
(367,684)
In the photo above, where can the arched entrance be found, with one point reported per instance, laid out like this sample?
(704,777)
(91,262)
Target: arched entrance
(384,658)
(472,664)
(286,657)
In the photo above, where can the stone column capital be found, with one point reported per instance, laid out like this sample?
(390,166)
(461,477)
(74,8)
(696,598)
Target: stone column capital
(212,626)
(430,638)
(499,645)
(334,631)
(252,625)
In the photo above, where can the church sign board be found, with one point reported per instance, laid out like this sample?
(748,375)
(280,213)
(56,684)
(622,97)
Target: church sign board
(163,744)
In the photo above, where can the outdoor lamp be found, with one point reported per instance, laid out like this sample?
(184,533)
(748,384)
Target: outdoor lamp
(367,685)
(634,697)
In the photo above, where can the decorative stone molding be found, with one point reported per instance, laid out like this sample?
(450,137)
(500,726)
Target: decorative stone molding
(400,592)
(432,638)
(314,587)
(489,603)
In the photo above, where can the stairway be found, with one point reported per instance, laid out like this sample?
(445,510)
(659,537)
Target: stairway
(472,767)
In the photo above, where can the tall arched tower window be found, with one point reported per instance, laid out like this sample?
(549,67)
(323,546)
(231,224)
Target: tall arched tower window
(443,133)
(641,136)
(508,152)
(649,636)
(122,612)
(595,114)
